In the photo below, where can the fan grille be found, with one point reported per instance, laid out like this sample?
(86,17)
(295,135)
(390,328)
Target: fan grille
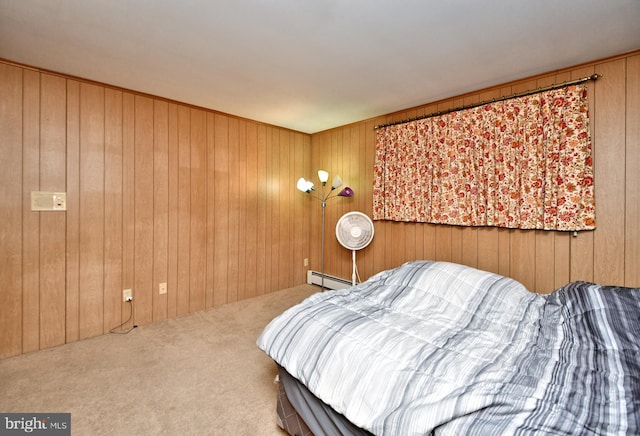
(354,230)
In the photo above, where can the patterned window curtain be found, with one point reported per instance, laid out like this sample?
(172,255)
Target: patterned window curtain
(524,163)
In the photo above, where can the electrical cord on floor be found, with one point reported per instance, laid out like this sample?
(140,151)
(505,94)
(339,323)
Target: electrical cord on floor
(358,275)
(124,332)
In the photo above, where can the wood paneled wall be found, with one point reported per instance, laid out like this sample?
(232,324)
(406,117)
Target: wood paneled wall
(159,191)
(541,260)
(156,192)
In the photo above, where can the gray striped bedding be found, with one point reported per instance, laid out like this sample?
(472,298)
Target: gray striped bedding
(441,348)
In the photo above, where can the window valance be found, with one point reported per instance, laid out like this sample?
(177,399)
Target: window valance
(523,163)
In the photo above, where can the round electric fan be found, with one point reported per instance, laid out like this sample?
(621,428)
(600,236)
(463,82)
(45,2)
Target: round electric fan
(354,231)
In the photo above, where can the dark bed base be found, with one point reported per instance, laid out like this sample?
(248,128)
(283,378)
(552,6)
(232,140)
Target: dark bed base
(301,413)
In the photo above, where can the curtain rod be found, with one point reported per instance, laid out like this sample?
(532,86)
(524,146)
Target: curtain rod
(482,103)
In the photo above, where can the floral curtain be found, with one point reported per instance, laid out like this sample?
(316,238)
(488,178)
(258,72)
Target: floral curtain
(523,163)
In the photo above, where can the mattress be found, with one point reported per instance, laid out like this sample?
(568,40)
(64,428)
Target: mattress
(301,413)
(434,347)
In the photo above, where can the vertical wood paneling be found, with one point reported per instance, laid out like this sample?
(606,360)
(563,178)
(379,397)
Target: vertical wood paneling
(561,261)
(398,248)
(261,211)
(428,242)
(211,210)
(367,259)
(233,207)
(523,260)
(274,215)
(128,205)
(609,138)
(504,252)
(221,213)
(285,187)
(143,238)
(632,185)
(156,192)
(112,209)
(198,216)
(73,212)
(11,273)
(469,246)
(251,230)
(334,165)
(358,181)
(172,243)
(160,207)
(443,243)
(241,210)
(380,240)
(268,210)
(91,313)
(336,207)
(337,254)
(159,191)
(30,219)
(52,243)
(488,249)
(349,137)
(544,249)
(300,217)
(184,210)
(303,166)
(321,145)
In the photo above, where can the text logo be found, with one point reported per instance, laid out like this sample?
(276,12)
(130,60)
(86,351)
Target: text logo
(41,424)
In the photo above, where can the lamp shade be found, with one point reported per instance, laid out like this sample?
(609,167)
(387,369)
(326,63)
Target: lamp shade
(337,182)
(346,192)
(304,185)
(323,176)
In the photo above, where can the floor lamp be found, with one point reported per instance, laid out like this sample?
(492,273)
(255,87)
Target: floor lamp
(308,187)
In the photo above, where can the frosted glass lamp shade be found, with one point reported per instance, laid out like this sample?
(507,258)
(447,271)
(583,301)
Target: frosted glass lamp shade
(304,185)
(337,182)
(323,176)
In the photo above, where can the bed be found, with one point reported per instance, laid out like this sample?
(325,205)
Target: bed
(441,348)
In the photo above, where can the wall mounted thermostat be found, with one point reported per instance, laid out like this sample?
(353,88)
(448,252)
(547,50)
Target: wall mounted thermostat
(44,200)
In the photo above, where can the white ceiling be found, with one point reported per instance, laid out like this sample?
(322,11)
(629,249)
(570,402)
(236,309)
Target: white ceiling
(311,65)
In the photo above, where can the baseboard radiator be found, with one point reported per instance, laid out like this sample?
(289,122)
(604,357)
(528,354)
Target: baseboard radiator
(330,282)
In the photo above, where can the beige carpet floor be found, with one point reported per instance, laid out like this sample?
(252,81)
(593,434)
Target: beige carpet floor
(200,374)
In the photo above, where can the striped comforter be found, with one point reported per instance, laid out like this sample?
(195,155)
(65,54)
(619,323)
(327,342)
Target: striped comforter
(436,347)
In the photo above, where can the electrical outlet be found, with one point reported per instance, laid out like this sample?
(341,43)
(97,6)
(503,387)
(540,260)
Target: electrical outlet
(306,262)
(162,288)
(127,295)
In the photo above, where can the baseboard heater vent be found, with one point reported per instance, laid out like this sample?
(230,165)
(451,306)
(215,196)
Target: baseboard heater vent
(330,282)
